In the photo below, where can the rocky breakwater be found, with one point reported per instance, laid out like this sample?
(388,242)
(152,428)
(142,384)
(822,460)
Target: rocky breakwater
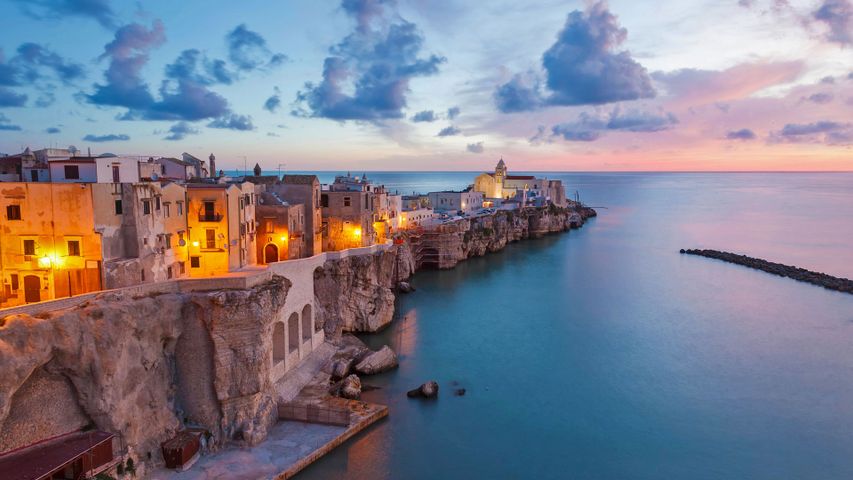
(143,367)
(800,274)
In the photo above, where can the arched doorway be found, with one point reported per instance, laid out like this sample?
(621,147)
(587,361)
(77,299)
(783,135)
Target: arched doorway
(271,253)
(279,345)
(293,332)
(32,288)
(307,330)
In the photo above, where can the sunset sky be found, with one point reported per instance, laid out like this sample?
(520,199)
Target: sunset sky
(436,84)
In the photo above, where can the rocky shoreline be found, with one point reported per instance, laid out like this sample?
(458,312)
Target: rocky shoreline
(800,274)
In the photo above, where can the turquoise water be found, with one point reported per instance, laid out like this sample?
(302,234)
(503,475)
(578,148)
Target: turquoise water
(604,354)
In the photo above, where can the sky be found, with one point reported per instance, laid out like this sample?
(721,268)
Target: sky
(624,85)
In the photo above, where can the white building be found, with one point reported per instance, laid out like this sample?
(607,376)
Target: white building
(448,201)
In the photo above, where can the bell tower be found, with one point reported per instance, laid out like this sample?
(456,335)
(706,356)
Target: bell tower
(212,166)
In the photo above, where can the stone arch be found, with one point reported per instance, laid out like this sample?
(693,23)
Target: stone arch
(307,321)
(279,343)
(293,332)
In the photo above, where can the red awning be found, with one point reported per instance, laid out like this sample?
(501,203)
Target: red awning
(41,459)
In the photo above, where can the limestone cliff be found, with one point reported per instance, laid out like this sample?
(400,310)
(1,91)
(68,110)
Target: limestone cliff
(142,367)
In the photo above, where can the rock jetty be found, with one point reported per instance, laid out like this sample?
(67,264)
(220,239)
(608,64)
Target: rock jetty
(800,274)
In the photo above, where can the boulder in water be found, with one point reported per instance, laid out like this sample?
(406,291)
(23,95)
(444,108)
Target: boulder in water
(427,390)
(377,362)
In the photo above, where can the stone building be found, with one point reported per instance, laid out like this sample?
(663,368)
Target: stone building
(23,167)
(348,213)
(48,247)
(221,227)
(450,201)
(143,227)
(500,185)
(305,190)
(281,229)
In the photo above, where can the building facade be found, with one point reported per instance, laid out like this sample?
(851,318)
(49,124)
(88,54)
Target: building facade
(281,229)
(305,190)
(449,201)
(221,227)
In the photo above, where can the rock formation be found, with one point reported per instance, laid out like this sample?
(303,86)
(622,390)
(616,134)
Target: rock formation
(427,390)
(377,362)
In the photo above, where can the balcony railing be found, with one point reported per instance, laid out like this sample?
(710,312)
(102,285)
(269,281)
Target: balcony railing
(209,217)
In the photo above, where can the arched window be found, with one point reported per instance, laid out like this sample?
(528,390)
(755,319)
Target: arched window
(278,343)
(307,321)
(293,332)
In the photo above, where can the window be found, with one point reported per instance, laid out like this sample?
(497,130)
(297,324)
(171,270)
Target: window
(118,207)
(347,201)
(180,208)
(324,201)
(14,279)
(162,169)
(116,175)
(13,212)
(195,262)
(73,248)
(29,247)
(167,210)
(269,226)
(72,172)
(157,203)
(210,238)
(169,272)
(168,238)
(182,268)
(146,207)
(209,211)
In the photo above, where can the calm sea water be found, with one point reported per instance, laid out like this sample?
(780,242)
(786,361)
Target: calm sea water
(604,354)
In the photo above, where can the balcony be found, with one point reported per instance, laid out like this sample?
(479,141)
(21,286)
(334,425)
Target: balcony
(209,217)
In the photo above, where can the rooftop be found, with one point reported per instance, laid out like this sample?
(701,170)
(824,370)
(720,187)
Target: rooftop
(299,179)
(39,460)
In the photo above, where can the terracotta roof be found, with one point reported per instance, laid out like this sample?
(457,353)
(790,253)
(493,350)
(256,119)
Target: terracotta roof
(39,460)
(520,177)
(299,179)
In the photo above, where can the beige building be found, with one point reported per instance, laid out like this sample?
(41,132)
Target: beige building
(499,185)
(143,227)
(221,227)
(48,244)
(305,190)
(281,229)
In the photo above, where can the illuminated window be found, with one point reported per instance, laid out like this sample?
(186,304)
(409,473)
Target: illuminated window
(73,248)
(29,247)
(13,212)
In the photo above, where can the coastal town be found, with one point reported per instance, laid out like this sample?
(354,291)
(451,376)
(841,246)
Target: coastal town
(77,223)
(214,312)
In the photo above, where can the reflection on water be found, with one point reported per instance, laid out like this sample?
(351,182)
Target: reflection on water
(604,354)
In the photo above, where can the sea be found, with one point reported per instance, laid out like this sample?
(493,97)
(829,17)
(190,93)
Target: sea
(603,353)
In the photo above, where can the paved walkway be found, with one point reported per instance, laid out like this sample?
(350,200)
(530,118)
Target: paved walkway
(287,444)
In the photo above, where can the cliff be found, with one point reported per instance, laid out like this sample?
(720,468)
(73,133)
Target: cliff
(143,367)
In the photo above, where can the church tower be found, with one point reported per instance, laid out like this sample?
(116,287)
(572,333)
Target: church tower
(500,176)
(212,166)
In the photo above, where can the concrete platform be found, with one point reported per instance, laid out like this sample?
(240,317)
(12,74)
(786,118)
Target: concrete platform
(290,447)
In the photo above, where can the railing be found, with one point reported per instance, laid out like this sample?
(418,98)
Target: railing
(209,217)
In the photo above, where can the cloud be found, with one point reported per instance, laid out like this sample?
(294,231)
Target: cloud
(581,68)
(449,131)
(34,65)
(112,137)
(272,134)
(366,76)
(233,122)
(6,124)
(825,131)
(193,65)
(99,10)
(424,116)
(274,102)
(9,98)
(742,134)
(700,87)
(180,130)
(820,98)
(52,130)
(478,147)
(453,112)
(837,15)
(248,50)
(590,126)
